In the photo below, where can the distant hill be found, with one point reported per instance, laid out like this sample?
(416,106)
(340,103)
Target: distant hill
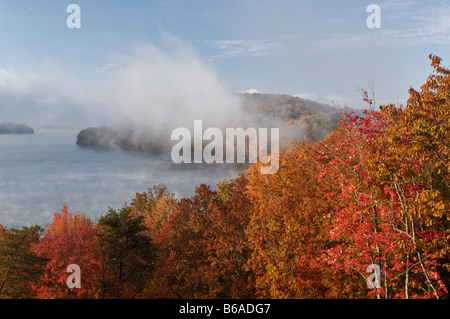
(318,119)
(285,106)
(297,118)
(15,128)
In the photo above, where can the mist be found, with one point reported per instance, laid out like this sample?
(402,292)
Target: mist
(148,87)
(160,89)
(144,93)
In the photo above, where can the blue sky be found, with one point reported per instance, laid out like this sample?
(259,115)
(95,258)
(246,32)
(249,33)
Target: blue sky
(322,50)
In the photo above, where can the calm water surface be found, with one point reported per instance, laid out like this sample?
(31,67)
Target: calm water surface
(40,173)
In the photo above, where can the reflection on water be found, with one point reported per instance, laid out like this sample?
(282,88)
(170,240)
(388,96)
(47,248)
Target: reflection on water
(41,172)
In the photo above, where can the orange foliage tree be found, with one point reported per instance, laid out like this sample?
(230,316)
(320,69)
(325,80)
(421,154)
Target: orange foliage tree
(288,230)
(69,239)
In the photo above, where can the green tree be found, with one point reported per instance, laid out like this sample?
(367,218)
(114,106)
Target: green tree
(20,267)
(127,253)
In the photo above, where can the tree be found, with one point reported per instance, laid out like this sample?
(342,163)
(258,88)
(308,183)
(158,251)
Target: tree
(226,240)
(392,166)
(186,242)
(69,239)
(417,170)
(360,232)
(127,253)
(203,245)
(288,230)
(156,205)
(20,267)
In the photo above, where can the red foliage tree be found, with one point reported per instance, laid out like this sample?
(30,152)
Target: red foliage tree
(69,239)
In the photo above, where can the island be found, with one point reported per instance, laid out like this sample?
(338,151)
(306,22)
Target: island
(15,128)
(122,137)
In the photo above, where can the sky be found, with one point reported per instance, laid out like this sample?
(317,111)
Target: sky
(130,58)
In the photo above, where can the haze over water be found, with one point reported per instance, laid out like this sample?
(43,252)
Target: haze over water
(40,173)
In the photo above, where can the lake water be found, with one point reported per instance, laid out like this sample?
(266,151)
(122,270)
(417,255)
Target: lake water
(40,173)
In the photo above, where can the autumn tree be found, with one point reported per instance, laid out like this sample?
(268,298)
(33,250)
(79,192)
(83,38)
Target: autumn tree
(206,246)
(392,166)
(360,233)
(416,171)
(186,243)
(156,205)
(226,240)
(288,230)
(69,239)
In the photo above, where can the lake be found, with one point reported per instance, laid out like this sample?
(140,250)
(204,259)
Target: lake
(41,172)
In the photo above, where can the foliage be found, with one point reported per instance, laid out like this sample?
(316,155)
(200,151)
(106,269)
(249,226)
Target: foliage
(126,253)
(69,239)
(19,265)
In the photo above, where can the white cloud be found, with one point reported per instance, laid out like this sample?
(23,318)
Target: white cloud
(105,68)
(410,24)
(419,23)
(245,48)
(252,91)
(330,98)
(397,5)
